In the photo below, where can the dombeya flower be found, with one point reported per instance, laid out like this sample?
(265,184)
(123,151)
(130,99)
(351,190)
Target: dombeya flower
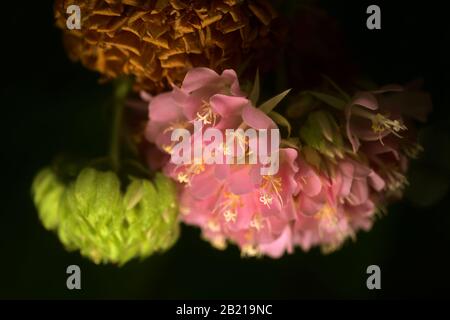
(333,179)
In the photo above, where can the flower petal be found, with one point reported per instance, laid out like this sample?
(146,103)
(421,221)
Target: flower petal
(227,106)
(199,77)
(257,119)
(365,99)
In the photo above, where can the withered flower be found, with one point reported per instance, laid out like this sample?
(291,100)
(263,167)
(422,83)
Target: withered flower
(157,41)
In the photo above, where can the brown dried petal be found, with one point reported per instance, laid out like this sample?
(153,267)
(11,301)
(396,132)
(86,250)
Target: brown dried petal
(157,41)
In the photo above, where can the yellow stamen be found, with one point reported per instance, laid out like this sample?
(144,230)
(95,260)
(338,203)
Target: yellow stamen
(183,178)
(219,243)
(213,226)
(249,250)
(271,185)
(266,199)
(256,222)
(230,216)
(206,114)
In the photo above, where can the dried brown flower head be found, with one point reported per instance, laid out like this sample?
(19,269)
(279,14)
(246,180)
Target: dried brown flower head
(157,41)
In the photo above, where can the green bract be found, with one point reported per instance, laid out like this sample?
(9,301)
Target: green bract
(322,133)
(107,222)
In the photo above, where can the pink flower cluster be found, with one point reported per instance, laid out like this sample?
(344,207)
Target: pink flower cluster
(269,215)
(379,125)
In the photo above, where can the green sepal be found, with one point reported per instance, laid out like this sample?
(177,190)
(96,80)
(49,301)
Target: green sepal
(329,100)
(270,104)
(322,133)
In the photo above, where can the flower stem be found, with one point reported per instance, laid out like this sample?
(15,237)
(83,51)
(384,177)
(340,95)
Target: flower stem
(122,87)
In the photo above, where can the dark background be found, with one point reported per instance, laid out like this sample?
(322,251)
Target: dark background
(49,105)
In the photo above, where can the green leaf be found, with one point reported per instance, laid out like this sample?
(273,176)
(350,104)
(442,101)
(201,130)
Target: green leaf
(322,133)
(311,135)
(329,100)
(291,143)
(280,120)
(312,157)
(335,86)
(243,66)
(269,105)
(301,105)
(327,124)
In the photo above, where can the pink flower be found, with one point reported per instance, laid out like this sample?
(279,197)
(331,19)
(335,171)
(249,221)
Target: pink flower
(332,208)
(255,212)
(299,205)
(374,115)
(229,202)
(380,125)
(205,96)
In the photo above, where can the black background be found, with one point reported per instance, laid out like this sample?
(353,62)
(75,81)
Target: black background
(49,104)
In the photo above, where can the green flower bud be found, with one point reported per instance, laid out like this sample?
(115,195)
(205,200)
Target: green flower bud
(47,192)
(322,133)
(105,221)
